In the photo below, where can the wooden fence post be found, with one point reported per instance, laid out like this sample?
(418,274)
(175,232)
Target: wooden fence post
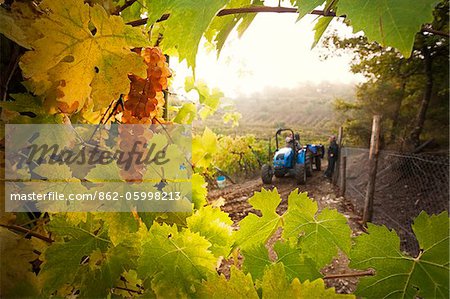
(337,166)
(342,175)
(373,163)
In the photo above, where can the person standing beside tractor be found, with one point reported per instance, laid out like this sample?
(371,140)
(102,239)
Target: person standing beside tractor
(333,151)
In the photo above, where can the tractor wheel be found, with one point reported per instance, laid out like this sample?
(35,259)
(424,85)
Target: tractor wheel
(279,173)
(266,174)
(318,163)
(300,174)
(308,165)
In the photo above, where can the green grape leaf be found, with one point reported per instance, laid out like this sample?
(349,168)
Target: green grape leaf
(186,114)
(26,109)
(390,23)
(83,53)
(122,227)
(16,255)
(221,27)
(256,259)
(256,230)
(304,7)
(275,284)
(187,22)
(295,263)
(321,234)
(104,271)
(319,29)
(397,274)
(239,285)
(65,256)
(232,117)
(175,262)
(215,226)
(199,190)
(209,98)
(133,12)
(317,289)
(203,148)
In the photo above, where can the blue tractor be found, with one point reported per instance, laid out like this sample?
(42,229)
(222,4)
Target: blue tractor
(292,160)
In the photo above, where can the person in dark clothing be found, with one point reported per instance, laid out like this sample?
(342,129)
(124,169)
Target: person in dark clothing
(333,151)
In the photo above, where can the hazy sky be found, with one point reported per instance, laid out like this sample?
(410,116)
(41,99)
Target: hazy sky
(274,51)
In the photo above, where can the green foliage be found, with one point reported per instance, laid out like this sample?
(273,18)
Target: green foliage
(78,58)
(186,25)
(220,27)
(215,226)
(240,155)
(296,264)
(321,233)
(203,148)
(390,23)
(396,86)
(400,275)
(276,285)
(96,253)
(174,262)
(239,285)
(16,256)
(255,230)
(186,114)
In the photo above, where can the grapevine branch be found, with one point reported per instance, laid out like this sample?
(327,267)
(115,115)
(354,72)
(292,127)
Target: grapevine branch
(27,232)
(350,274)
(127,4)
(258,9)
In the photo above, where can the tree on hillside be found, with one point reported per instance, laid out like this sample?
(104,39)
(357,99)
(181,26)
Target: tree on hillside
(411,93)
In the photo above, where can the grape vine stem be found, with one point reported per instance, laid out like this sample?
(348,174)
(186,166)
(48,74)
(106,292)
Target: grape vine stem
(27,232)
(350,274)
(276,9)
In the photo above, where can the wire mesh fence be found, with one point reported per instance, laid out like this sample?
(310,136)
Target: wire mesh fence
(405,185)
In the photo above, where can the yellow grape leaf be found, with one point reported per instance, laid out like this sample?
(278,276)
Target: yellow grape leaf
(83,53)
(16,23)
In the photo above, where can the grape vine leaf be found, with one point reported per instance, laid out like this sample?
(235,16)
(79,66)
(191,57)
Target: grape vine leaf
(186,114)
(28,109)
(304,7)
(321,233)
(203,148)
(256,230)
(215,226)
(175,262)
(319,28)
(240,285)
(16,24)
(295,263)
(221,27)
(83,53)
(275,284)
(104,272)
(209,98)
(16,255)
(199,190)
(391,23)
(397,274)
(186,25)
(73,245)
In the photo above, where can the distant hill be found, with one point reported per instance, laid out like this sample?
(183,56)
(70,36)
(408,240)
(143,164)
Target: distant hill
(307,109)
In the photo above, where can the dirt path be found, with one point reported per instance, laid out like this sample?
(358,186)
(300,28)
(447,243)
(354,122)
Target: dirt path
(319,188)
